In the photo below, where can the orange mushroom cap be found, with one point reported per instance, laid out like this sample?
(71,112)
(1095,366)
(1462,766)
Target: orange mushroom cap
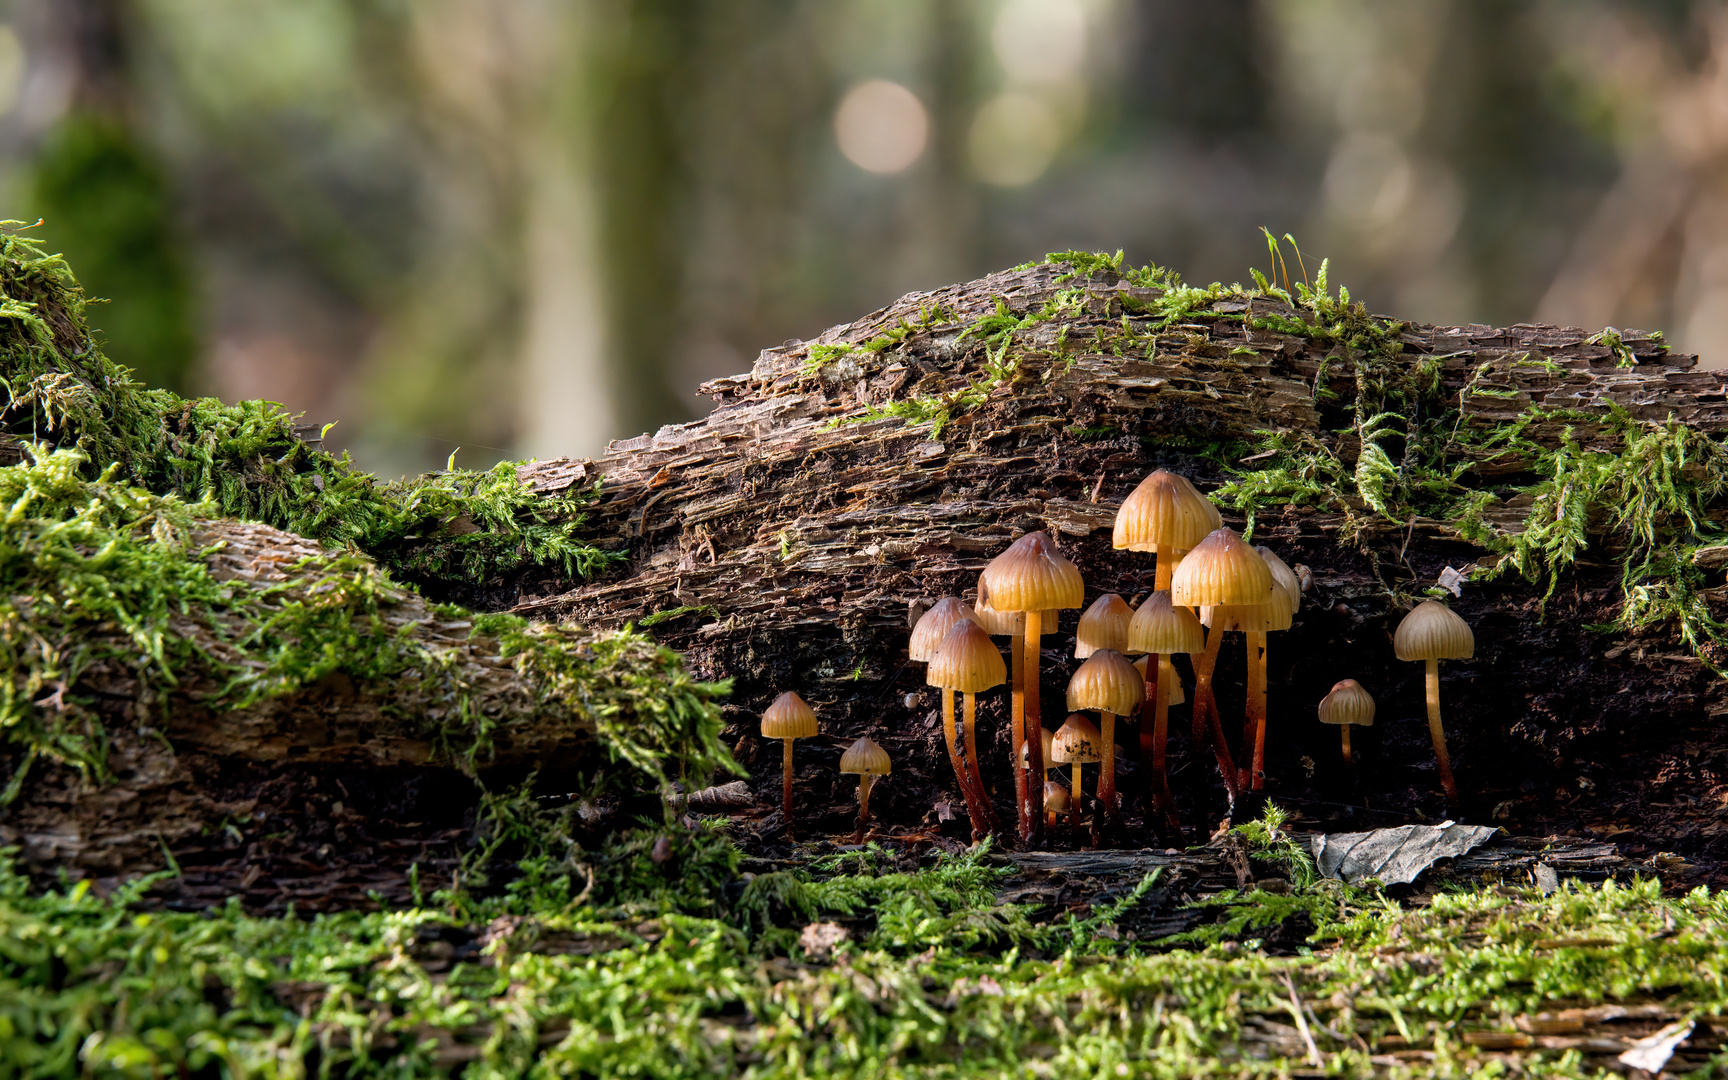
(1348,703)
(1104,625)
(968,661)
(1077,740)
(1032,576)
(1432,631)
(866,758)
(1108,683)
(1222,569)
(1165,514)
(934,625)
(788,718)
(1160,627)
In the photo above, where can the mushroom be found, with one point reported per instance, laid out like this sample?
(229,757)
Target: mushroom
(1255,621)
(1076,742)
(1031,577)
(1104,625)
(1055,801)
(1432,632)
(970,663)
(1348,704)
(869,761)
(1108,683)
(1161,630)
(1012,625)
(1165,515)
(1045,741)
(927,636)
(788,718)
(1221,571)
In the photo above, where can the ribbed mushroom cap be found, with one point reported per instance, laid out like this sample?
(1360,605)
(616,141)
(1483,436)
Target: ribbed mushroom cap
(1048,735)
(788,718)
(1107,682)
(1032,576)
(1104,625)
(865,757)
(967,661)
(1167,678)
(1283,577)
(1164,514)
(1159,627)
(934,625)
(1056,798)
(1432,632)
(1275,614)
(1076,740)
(1007,623)
(1348,703)
(1221,569)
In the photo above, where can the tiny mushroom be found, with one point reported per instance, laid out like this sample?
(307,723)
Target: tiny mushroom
(1108,683)
(788,718)
(1055,801)
(1348,704)
(970,663)
(1076,742)
(1104,625)
(868,761)
(1432,633)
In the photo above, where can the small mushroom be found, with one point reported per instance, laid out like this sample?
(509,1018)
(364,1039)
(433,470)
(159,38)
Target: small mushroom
(1276,612)
(1108,683)
(1076,742)
(869,761)
(1104,625)
(970,663)
(1024,756)
(1161,630)
(788,718)
(1165,515)
(1432,633)
(927,636)
(1055,801)
(1348,704)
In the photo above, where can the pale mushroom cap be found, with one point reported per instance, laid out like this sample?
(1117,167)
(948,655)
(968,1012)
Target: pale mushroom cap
(788,718)
(1056,798)
(1108,683)
(967,661)
(1167,678)
(1104,625)
(1076,740)
(1433,632)
(1159,627)
(1275,614)
(1348,703)
(1007,623)
(934,625)
(865,757)
(1164,514)
(1047,736)
(1221,569)
(1032,576)
(1283,577)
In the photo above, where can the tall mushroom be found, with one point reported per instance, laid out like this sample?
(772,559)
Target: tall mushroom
(1104,625)
(1108,683)
(1287,596)
(1165,515)
(1031,577)
(1012,625)
(1221,571)
(1432,633)
(868,761)
(788,718)
(1160,630)
(1348,704)
(1076,742)
(970,663)
(927,636)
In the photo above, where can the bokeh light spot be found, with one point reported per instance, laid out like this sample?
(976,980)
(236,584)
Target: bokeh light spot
(1013,139)
(881,126)
(1040,41)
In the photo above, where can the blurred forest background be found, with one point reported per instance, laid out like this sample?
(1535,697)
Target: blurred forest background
(524,227)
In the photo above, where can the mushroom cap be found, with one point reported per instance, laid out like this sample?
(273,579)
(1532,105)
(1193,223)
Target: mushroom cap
(1104,625)
(1222,569)
(1047,736)
(1165,514)
(1159,627)
(1107,682)
(788,718)
(1056,798)
(934,625)
(1007,623)
(1032,576)
(1076,740)
(968,661)
(1348,703)
(1283,577)
(1167,677)
(1275,614)
(1433,632)
(866,758)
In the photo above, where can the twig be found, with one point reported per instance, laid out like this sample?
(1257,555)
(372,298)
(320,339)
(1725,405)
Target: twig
(1302,1023)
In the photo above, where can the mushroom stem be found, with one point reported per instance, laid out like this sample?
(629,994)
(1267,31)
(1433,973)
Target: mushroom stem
(1076,801)
(953,736)
(971,726)
(1254,746)
(1344,730)
(1162,800)
(786,789)
(1207,727)
(1024,797)
(1034,721)
(864,782)
(1439,734)
(1165,569)
(1107,774)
